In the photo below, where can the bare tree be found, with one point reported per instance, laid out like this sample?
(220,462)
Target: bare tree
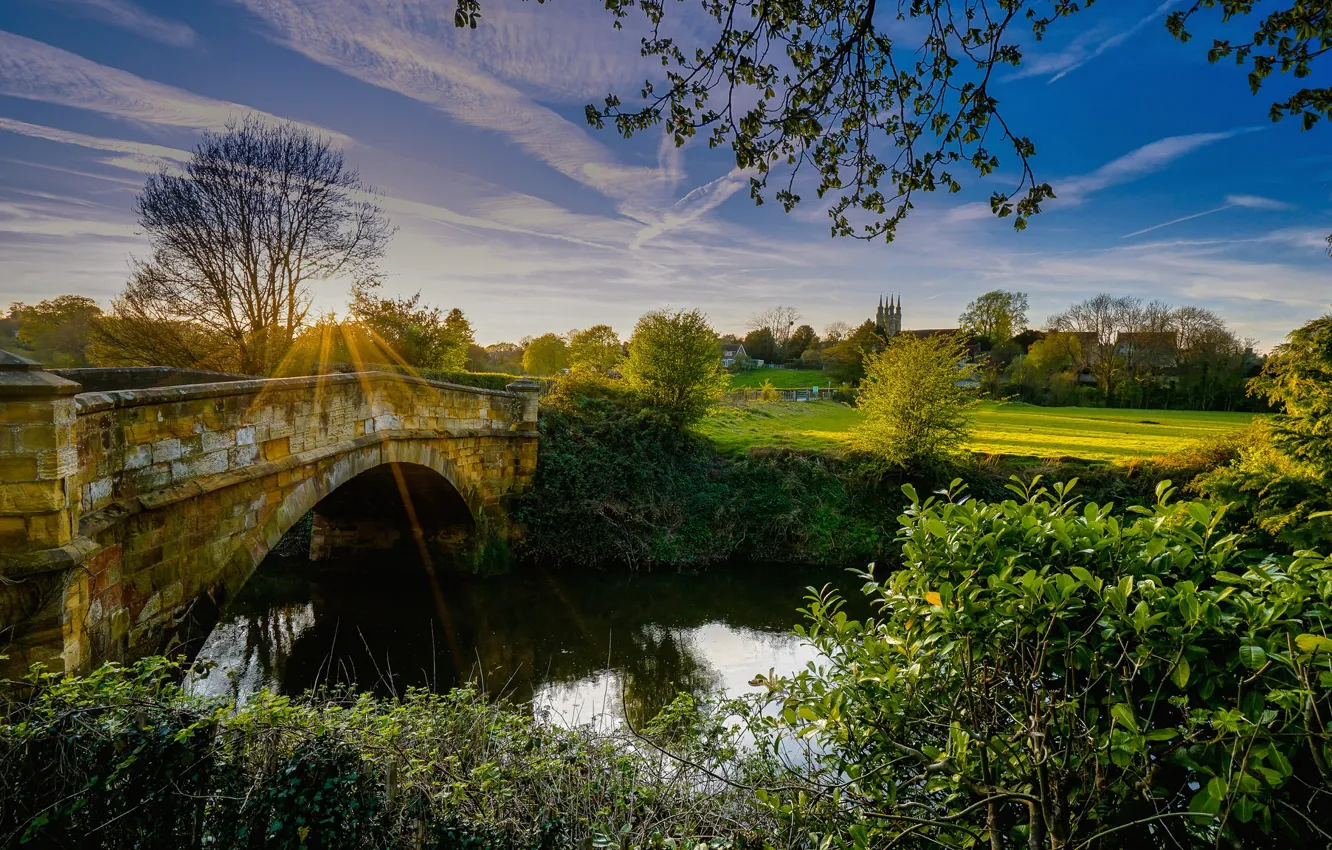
(259,213)
(1193,325)
(779,321)
(1097,323)
(836,332)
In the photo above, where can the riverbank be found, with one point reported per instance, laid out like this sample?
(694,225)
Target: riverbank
(123,757)
(621,486)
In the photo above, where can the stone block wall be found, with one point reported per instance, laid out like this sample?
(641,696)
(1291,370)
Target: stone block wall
(176,494)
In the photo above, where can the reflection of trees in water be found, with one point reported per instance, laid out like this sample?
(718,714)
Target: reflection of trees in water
(382,626)
(661,664)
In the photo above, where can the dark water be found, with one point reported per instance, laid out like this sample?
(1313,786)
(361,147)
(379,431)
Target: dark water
(583,646)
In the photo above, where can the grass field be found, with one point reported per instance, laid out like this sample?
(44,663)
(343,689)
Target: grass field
(1007,429)
(782,379)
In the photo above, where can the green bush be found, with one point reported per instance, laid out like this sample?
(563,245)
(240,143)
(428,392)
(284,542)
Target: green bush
(1281,482)
(1045,673)
(124,758)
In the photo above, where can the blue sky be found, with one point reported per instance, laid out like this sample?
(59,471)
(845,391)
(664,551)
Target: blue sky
(1172,182)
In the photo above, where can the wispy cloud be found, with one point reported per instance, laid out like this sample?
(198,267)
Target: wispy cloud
(1252,202)
(33,70)
(359,38)
(1145,160)
(151,154)
(1140,162)
(1086,47)
(479,78)
(131,17)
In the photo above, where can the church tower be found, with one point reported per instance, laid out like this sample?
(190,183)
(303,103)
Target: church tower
(890,323)
(888,319)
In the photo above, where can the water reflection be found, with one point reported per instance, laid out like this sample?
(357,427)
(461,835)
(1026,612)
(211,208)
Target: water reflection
(581,647)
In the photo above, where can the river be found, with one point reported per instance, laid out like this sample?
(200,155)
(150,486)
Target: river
(577,646)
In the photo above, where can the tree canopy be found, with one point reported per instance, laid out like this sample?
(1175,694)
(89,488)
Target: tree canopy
(417,334)
(885,102)
(674,363)
(917,396)
(997,316)
(596,348)
(545,355)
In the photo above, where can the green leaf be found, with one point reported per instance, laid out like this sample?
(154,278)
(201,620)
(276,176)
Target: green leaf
(1313,643)
(1252,656)
(1123,713)
(1180,675)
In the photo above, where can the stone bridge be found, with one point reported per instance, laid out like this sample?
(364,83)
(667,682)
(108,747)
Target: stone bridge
(129,517)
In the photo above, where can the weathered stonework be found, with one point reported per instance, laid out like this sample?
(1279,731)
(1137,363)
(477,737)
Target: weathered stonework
(128,518)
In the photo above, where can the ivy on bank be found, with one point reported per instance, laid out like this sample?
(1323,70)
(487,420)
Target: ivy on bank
(124,758)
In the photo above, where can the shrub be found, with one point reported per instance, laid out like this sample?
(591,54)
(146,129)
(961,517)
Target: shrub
(674,364)
(1045,673)
(1282,481)
(916,397)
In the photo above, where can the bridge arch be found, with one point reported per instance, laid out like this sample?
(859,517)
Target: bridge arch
(343,474)
(149,508)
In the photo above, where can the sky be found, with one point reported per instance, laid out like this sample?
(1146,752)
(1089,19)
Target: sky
(1172,182)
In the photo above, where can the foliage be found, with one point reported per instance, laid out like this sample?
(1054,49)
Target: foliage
(142,330)
(768,394)
(124,758)
(997,316)
(598,347)
(1143,355)
(1042,672)
(674,364)
(496,357)
(418,334)
(845,361)
(619,484)
(545,355)
(55,332)
(1298,380)
(1283,480)
(240,232)
(917,399)
(760,345)
(831,85)
(779,323)
(802,339)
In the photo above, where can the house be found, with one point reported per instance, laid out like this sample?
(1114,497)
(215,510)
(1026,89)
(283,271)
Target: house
(732,353)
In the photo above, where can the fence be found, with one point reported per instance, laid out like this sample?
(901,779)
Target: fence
(750,395)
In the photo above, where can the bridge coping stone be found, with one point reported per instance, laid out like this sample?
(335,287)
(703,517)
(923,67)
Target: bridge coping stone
(110,399)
